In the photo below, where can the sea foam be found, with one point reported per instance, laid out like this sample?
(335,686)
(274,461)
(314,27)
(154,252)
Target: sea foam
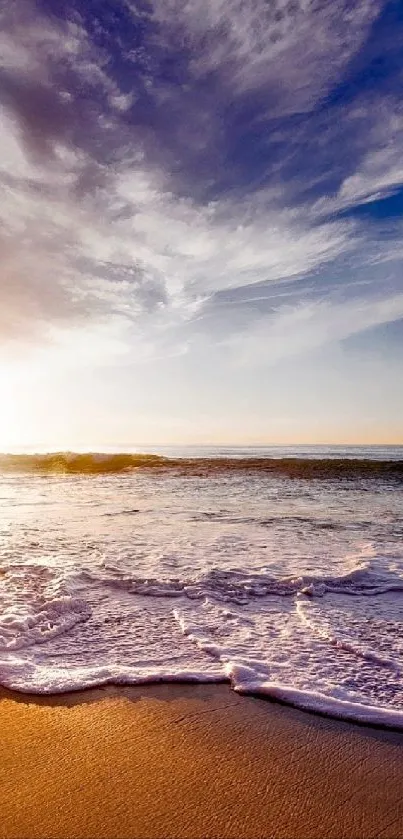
(291,589)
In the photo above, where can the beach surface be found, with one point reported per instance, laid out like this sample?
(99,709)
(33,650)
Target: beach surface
(191,761)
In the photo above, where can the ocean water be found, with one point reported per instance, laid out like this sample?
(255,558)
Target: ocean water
(283,577)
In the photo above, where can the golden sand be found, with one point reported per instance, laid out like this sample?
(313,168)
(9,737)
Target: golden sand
(192,761)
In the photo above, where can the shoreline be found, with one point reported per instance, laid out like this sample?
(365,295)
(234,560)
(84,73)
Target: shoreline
(318,705)
(193,761)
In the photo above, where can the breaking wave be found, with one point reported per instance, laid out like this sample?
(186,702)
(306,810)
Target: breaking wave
(239,587)
(296,595)
(290,467)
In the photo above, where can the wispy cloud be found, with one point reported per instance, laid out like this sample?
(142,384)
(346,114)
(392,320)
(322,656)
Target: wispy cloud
(293,49)
(292,330)
(191,151)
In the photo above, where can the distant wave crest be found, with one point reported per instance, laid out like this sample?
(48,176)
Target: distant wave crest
(291,467)
(76,462)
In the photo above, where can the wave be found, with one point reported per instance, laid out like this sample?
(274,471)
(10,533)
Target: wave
(247,681)
(222,636)
(18,675)
(53,618)
(45,607)
(241,587)
(92,463)
(248,676)
(225,517)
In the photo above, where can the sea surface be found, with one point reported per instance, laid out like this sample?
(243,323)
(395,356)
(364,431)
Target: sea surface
(278,570)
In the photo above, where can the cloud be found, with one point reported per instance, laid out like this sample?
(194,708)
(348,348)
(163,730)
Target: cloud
(378,172)
(294,49)
(292,330)
(132,246)
(174,164)
(204,249)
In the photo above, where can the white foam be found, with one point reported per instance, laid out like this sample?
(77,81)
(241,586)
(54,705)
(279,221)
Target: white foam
(53,618)
(199,636)
(343,639)
(313,665)
(244,682)
(26,677)
(240,587)
(219,579)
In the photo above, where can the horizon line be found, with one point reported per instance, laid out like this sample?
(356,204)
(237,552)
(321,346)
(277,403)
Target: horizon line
(33,449)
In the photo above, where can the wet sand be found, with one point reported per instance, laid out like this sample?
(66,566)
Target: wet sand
(191,761)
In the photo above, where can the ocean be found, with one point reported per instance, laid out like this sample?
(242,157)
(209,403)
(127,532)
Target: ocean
(278,570)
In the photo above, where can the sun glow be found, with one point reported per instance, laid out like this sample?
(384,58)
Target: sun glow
(14,418)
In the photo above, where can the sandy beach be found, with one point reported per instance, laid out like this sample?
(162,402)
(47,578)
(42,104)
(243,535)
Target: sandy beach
(191,761)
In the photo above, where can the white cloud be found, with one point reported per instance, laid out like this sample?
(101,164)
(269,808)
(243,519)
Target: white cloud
(299,47)
(132,250)
(295,330)
(201,250)
(141,245)
(379,172)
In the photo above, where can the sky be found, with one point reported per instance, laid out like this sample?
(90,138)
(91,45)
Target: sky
(201,222)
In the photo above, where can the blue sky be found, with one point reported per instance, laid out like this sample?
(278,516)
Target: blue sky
(201,221)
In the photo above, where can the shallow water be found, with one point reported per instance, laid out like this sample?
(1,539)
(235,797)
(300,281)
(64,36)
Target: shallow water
(287,586)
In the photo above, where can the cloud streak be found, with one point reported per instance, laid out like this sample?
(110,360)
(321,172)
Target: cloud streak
(297,48)
(156,161)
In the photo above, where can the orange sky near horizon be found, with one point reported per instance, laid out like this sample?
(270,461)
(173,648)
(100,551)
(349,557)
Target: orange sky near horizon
(47,407)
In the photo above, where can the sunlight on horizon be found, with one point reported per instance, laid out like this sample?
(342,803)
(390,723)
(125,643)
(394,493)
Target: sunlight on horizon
(39,414)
